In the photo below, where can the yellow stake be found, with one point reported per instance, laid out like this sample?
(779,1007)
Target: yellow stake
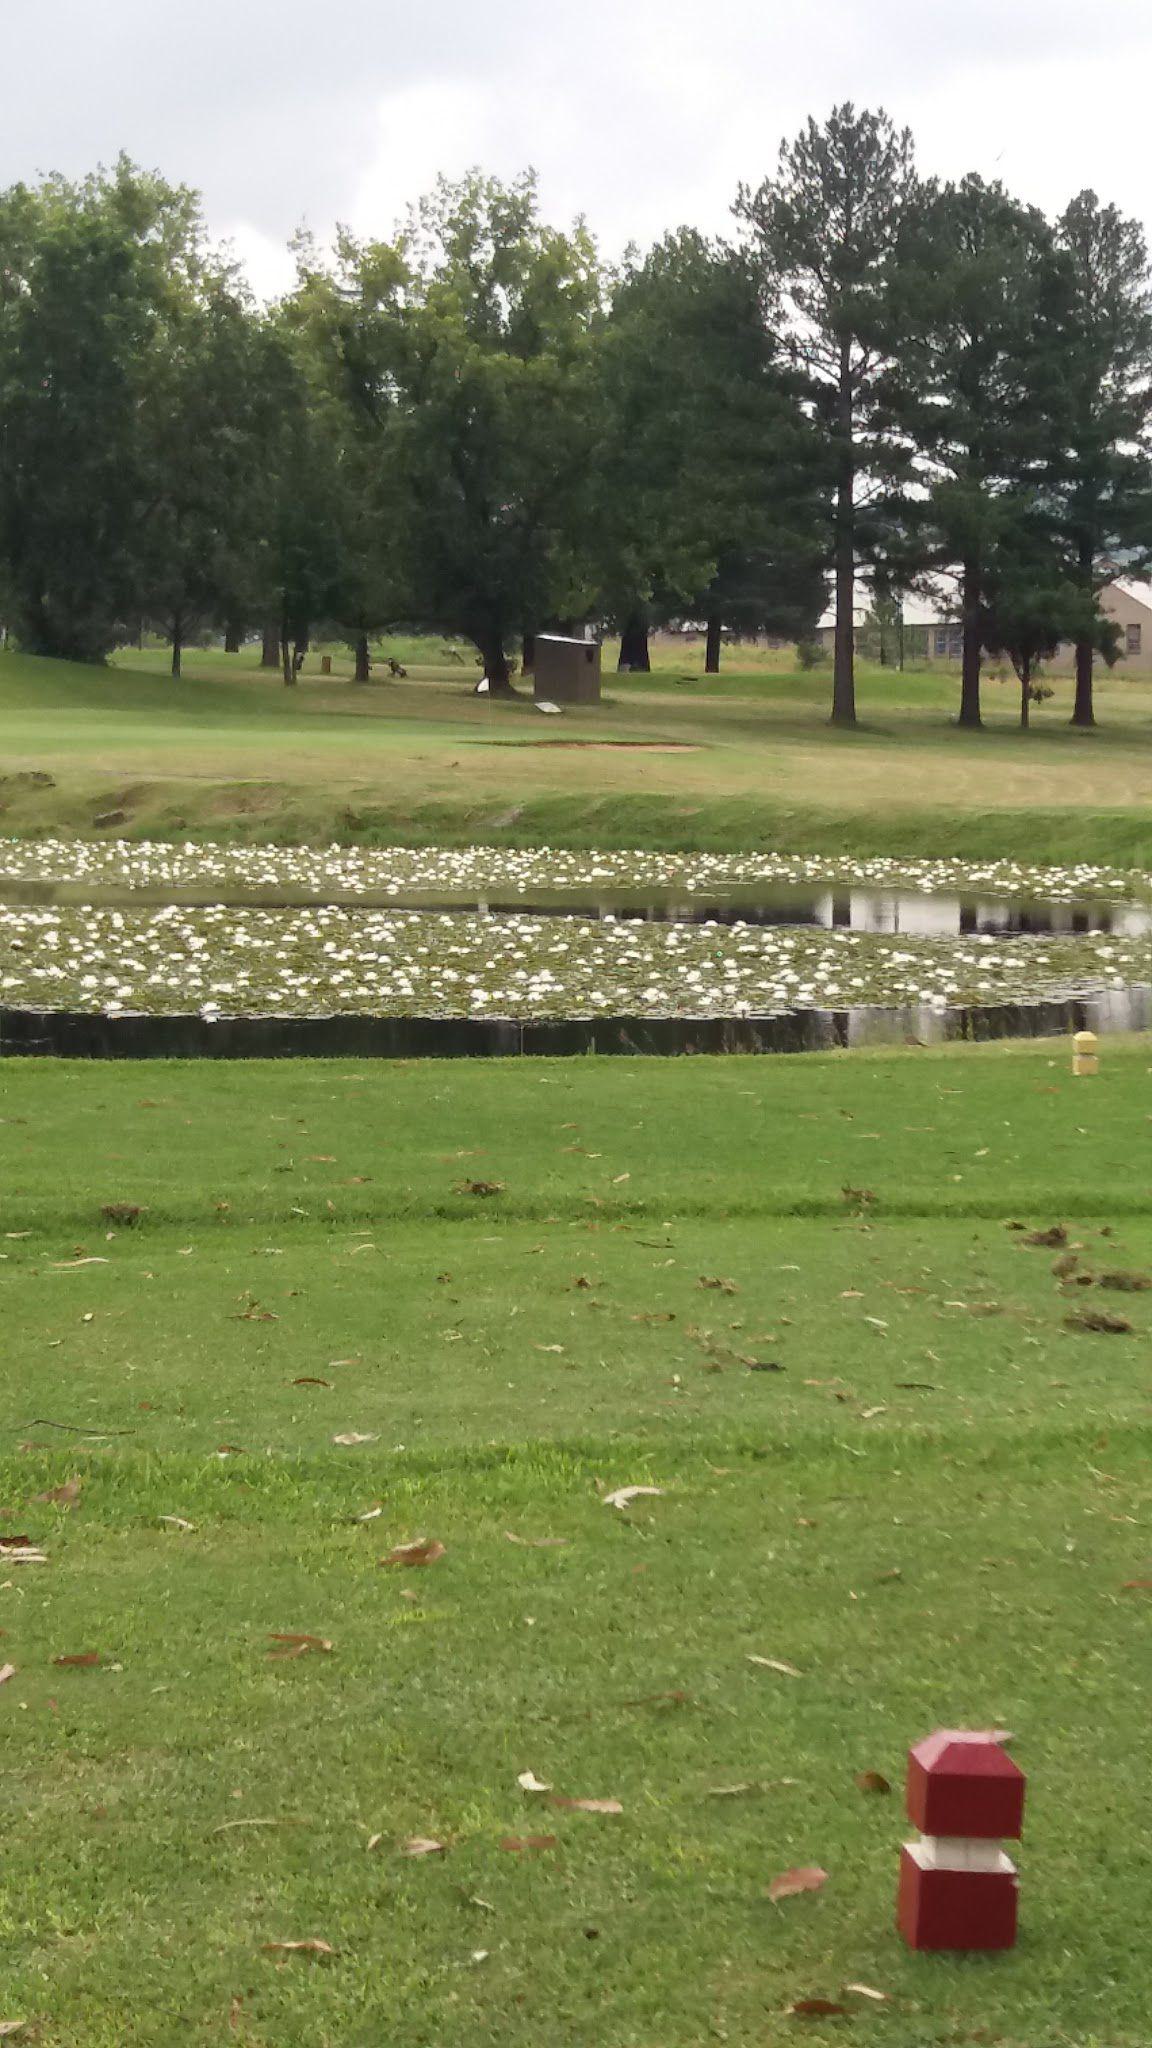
(1084,1060)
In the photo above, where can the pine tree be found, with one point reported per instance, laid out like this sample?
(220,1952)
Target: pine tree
(1105,484)
(829,230)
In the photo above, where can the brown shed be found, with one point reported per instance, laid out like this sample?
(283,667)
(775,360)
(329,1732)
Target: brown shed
(566,671)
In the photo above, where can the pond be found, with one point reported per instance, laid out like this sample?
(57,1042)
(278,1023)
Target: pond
(213,949)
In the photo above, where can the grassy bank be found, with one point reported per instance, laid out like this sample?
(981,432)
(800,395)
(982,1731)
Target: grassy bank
(743,760)
(783,1293)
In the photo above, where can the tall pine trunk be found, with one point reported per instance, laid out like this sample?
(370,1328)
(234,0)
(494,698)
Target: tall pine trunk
(1025,693)
(1084,709)
(177,644)
(634,656)
(233,638)
(528,652)
(363,663)
(270,650)
(490,642)
(286,668)
(712,645)
(844,554)
(971,649)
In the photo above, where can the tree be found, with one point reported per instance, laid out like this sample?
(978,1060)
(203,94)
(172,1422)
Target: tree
(85,271)
(711,484)
(1105,479)
(1030,605)
(207,426)
(828,230)
(467,342)
(980,393)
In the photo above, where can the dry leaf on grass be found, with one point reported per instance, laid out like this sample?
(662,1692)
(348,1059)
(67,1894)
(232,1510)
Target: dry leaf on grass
(1137,1586)
(311,1947)
(371,1514)
(537,1542)
(10,2027)
(866,1991)
(478,1187)
(815,2008)
(226,1827)
(84,1658)
(65,1496)
(7,1671)
(176,1522)
(585,1805)
(1047,1240)
(1101,1320)
(806,1877)
(19,1550)
(625,1494)
(529,1782)
(753,1786)
(775,1664)
(356,1436)
(307,1381)
(296,1645)
(421,1845)
(1126,1283)
(722,1286)
(524,1845)
(872,1781)
(426,1550)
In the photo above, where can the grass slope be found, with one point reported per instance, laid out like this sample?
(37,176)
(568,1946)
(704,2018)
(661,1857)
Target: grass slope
(931,1512)
(743,760)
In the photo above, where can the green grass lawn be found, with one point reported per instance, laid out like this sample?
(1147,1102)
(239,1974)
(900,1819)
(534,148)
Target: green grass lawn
(745,759)
(932,1511)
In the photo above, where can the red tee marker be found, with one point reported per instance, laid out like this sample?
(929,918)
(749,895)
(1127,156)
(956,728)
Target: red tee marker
(957,1886)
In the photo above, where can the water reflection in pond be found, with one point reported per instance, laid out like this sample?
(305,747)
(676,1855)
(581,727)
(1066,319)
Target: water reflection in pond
(907,912)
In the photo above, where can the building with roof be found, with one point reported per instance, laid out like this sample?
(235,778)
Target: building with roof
(931,629)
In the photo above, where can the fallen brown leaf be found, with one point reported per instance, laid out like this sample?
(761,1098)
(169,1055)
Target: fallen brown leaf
(478,1187)
(1126,1283)
(81,1658)
(65,1496)
(176,1522)
(1048,1239)
(371,1514)
(226,1827)
(19,1550)
(422,1845)
(753,1786)
(296,1645)
(1137,1586)
(311,1947)
(866,1991)
(529,1782)
(815,2008)
(775,1664)
(356,1436)
(585,1805)
(537,1542)
(723,1286)
(1101,1320)
(872,1781)
(521,1845)
(624,1495)
(426,1550)
(806,1877)
(7,1671)
(306,1380)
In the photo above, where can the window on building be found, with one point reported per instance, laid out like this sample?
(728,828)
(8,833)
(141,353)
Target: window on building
(941,639)
(955,642)
(1132,636)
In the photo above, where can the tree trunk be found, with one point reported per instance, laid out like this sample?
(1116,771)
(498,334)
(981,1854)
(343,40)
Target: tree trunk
(363,663)
(528,653)
(233,639)
(712,645)
(177,645)
(286,668)
(844,654)
(270,651)
(490,642)
(634,657)
(1025,693)
(1084,710)
(971,651)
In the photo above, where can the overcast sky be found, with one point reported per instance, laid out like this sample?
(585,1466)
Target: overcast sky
(641,114)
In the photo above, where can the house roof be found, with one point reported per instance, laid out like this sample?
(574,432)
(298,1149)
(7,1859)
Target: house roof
(1133,588)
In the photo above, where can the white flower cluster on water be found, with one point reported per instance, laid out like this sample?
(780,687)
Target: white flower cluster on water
(323,959)
(333,873)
